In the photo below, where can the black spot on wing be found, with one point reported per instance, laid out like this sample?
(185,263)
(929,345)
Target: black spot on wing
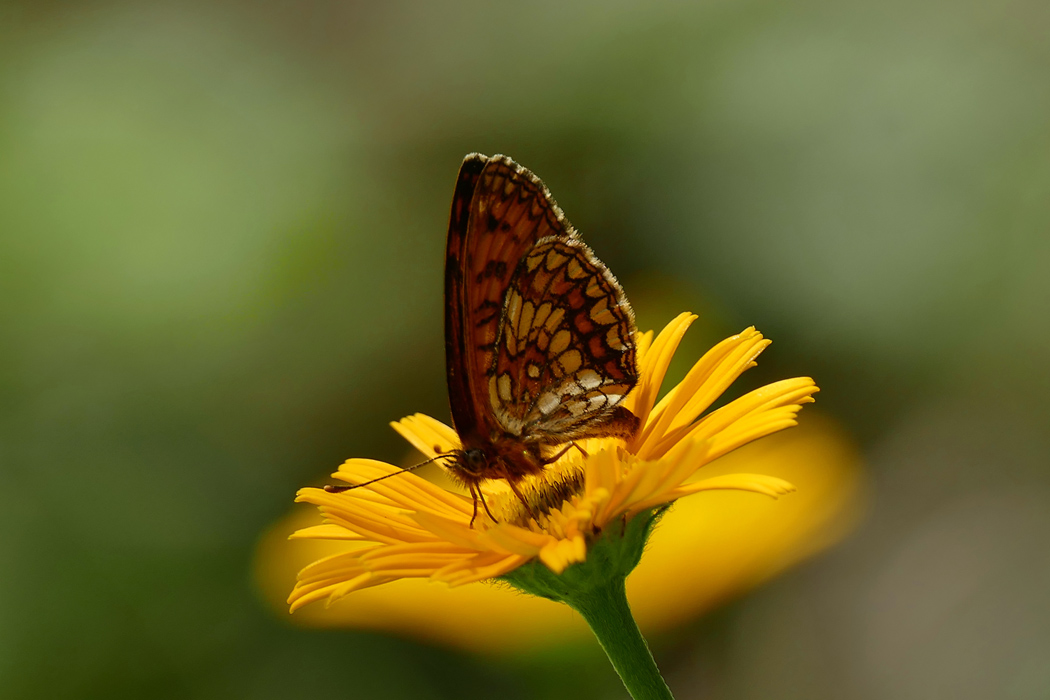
(486,312)
(493,268)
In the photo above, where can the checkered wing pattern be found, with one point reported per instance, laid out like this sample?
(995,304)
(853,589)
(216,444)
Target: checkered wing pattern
(565,353)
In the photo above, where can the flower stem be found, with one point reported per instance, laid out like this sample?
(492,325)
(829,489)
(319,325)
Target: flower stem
(606,610)
(596,588)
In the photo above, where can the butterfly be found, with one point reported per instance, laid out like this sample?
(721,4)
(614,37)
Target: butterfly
(539,336)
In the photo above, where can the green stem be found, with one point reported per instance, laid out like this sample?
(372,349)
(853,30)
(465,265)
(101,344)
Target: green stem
(596,588)
(606,610)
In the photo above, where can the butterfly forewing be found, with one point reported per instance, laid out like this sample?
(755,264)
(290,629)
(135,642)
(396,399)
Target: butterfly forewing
(457,349)
(507,210)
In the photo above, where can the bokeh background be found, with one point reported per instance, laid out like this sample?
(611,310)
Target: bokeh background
(221,239)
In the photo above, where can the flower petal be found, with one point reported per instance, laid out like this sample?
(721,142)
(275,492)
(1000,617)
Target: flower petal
(703,384)
(428,435)
(756,483)
(654,363)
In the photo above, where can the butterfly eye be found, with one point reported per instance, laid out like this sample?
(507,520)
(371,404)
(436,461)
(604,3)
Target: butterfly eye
(475,461)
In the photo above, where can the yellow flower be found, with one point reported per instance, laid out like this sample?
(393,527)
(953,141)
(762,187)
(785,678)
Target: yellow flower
(406,527)
(707,550)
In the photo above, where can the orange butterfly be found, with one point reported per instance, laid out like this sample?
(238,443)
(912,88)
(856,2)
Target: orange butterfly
(539,337)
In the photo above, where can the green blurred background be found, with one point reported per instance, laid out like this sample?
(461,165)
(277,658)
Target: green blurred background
(221,240)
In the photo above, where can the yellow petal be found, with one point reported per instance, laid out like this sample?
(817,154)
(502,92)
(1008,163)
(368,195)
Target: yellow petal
(704,383)
(325,532)
(428,435)
(654,364)
(756,483)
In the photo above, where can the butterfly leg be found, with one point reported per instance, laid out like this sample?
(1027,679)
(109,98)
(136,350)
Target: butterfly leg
(478,495)
(474,495)
(562,451)
(528,508)
(485,505)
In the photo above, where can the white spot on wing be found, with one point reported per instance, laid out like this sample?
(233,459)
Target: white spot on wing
(503,384)
(589,379)
(548,402)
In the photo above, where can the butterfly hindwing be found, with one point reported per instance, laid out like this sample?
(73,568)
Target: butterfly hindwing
(565,355)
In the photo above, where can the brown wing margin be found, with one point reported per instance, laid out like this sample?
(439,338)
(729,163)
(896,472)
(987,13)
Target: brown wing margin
(461,403)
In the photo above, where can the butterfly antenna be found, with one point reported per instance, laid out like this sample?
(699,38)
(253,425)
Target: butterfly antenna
(329,488)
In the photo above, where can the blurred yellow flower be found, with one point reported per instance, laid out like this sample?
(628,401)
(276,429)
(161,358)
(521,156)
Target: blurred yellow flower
(404,529)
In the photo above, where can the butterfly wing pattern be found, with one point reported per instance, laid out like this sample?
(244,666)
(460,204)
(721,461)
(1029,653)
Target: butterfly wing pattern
(539,336)
(565,353)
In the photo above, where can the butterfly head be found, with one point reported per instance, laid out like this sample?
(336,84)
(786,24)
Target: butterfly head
(501,459)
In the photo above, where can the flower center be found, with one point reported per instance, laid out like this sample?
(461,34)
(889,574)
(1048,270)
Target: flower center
(557,483)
